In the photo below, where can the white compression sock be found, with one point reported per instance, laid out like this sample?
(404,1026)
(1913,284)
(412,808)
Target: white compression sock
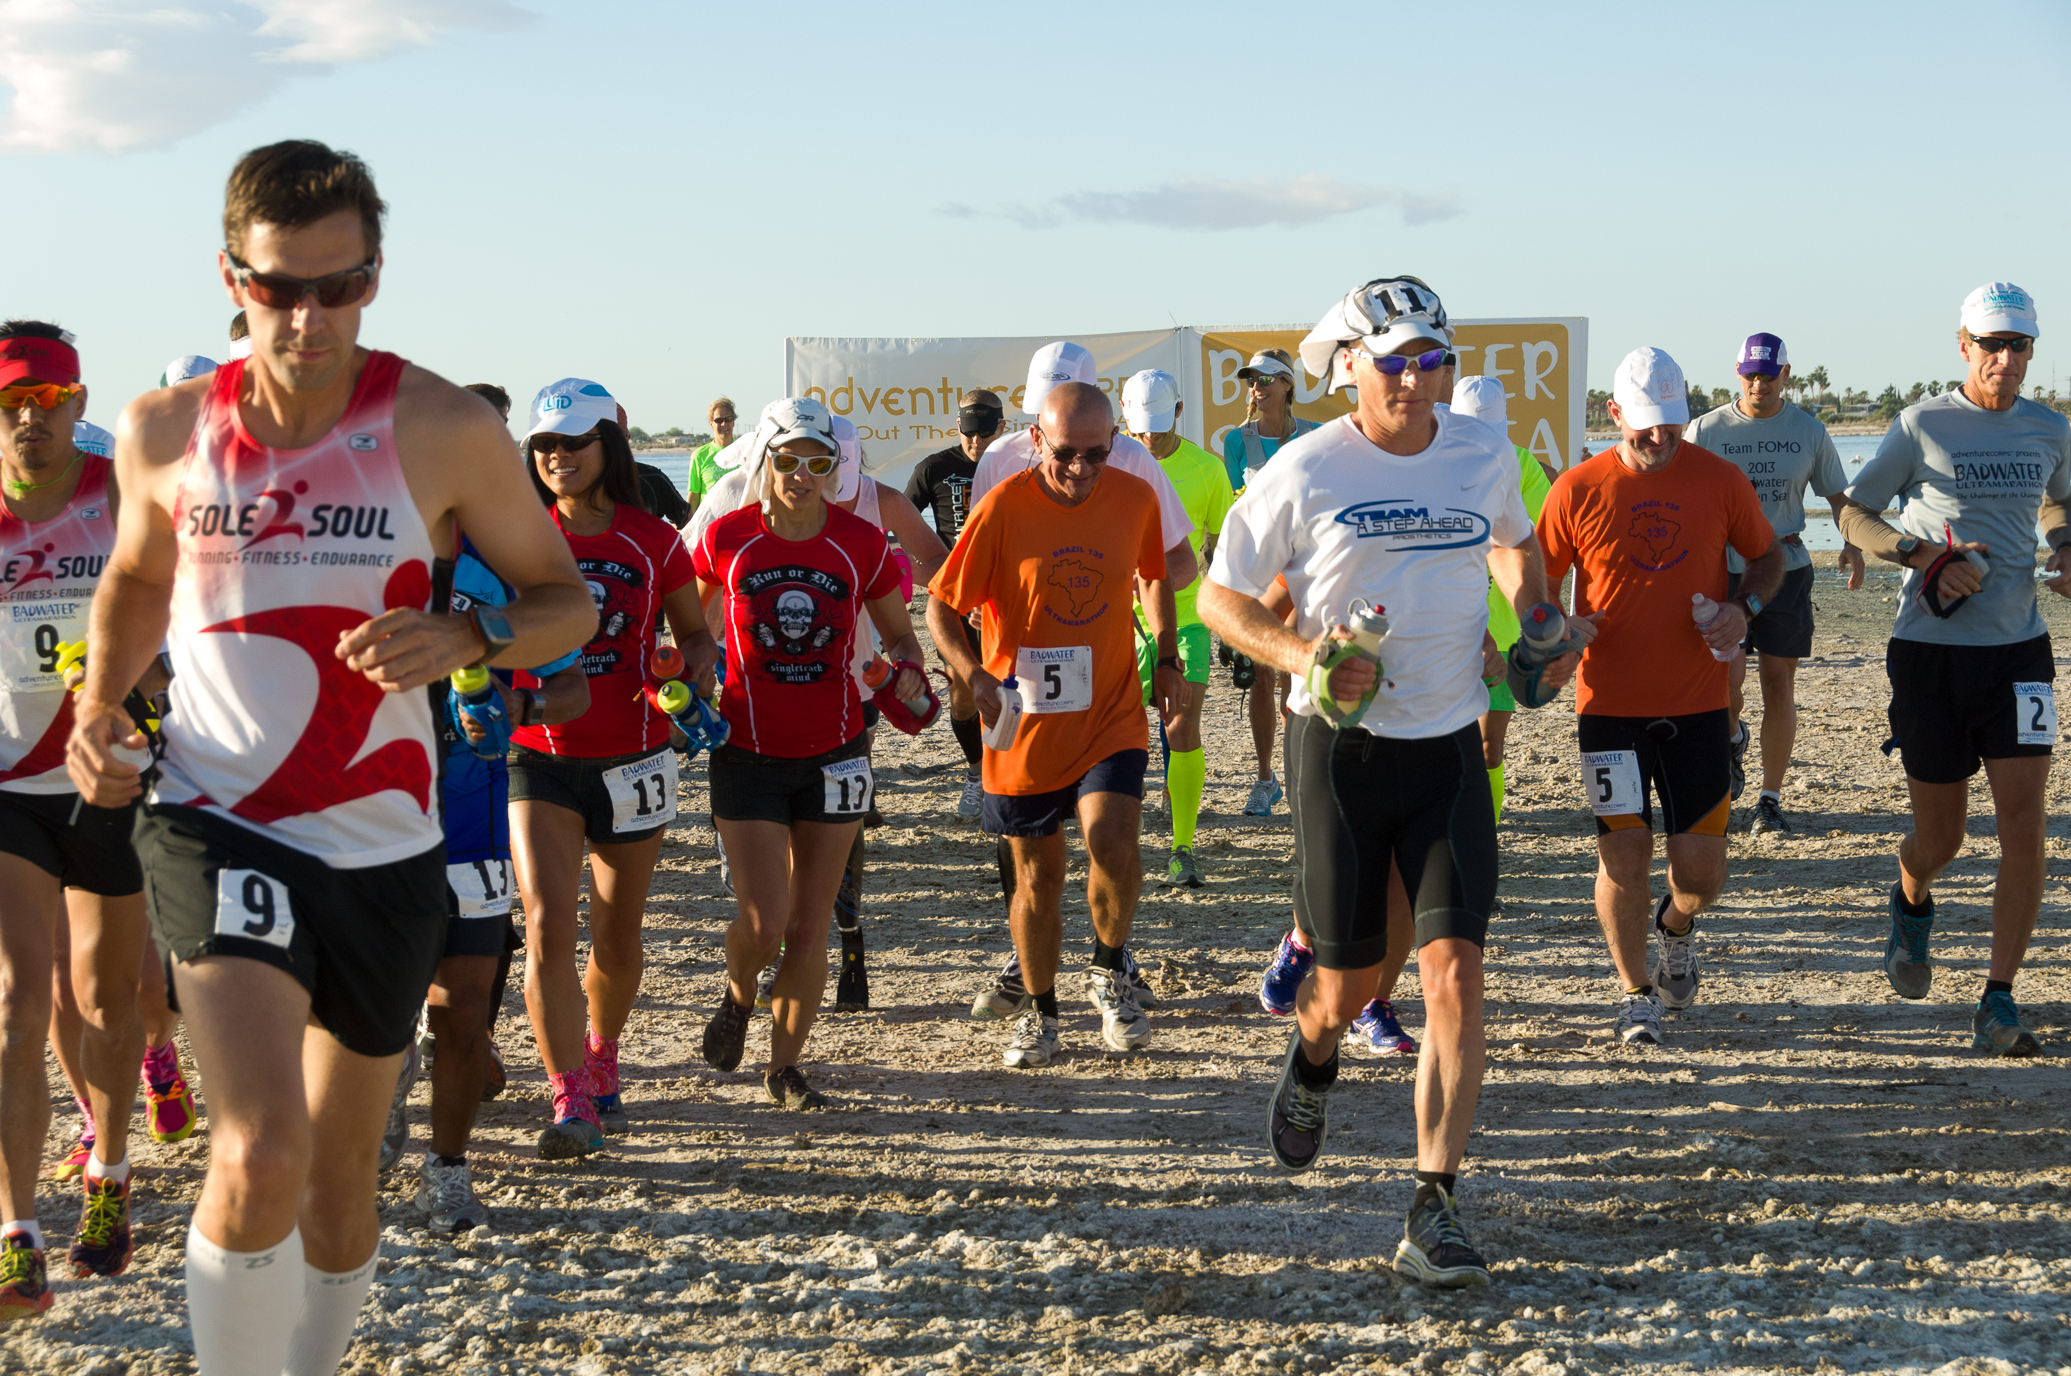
(331,1303)
(241,1306)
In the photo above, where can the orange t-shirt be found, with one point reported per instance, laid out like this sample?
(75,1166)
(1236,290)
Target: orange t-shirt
(1642,545)
(1055,583)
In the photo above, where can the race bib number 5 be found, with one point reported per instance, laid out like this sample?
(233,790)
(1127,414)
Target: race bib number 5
(849,784)
(1612,780)
(2035,714)
(481,888)
(254,906)
(643,793)
(1055,680)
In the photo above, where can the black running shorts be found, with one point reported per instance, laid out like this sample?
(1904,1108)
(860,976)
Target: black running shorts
(364,942)
(1784,628)
(1955,706)
(1031,815)
(836,787)
(1684,762)
(622,799)
(92,854)
(1361,801)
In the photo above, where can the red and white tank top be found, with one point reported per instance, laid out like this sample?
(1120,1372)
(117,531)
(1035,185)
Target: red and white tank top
(48,571)
(281,551)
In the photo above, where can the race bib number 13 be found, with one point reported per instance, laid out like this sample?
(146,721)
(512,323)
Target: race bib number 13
(643,793)
(1055,680)
(2035,714)
(1612,780)
(481,888)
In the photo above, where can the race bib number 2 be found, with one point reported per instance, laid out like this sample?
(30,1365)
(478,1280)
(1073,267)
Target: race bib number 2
(849,783)
(643,793)
(254,906)
(1612,780)
(2035,714)
(1059,679)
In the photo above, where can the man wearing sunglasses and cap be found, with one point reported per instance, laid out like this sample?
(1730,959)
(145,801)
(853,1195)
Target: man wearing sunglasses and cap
(1970,661)
(941,485)
(1404,509)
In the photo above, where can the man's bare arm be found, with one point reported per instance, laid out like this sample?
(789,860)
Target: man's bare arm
(1181,568)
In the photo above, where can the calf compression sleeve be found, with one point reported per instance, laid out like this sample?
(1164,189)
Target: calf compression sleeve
(967,732)
(242,1307)
(1186,773)
(1496,789)
(331,1304)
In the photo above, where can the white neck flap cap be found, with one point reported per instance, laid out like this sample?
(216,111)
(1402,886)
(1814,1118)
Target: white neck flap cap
(1384,314)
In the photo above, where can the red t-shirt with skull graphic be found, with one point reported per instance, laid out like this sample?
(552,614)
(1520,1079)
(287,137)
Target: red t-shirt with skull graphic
(630,567)
(790,616)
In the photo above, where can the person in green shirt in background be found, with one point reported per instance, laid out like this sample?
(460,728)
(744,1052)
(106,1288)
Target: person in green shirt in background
(1150,411)
(705,472)
(1483,399)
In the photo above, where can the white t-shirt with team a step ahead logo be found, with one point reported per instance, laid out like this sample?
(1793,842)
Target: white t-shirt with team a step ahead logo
(1781,456)
(1343,518)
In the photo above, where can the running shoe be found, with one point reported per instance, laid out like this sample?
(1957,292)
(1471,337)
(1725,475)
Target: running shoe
(1124,1026)
(787,1088)
(1377,1032)
(1769,818)
(765,985)
(852,989)
(1299,1119)
(1639,1020)
(1996,1027)
(1183,871)
(74,1163)
(104,1244)
(447,1196)
(1264,793)
(493,1083)
(1005,996)
(1675,964)
(1736,764)
(396,1135)
(169,1111)
(569,1138)
(1291,965)
(1034,1042)
(1146,997)
(1434,1249)
(24,1282)
(727,1033)
(1906,963)
(972,801)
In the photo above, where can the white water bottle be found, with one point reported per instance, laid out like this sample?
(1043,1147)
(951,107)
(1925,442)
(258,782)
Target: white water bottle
(1000,735)
(1706,614)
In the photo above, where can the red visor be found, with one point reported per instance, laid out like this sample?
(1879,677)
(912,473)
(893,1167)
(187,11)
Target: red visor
(46,360)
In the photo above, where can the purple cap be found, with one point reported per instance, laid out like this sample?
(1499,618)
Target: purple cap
(1764,354)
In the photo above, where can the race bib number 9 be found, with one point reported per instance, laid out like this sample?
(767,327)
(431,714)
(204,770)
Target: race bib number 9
(1055,680)
(480,889)
(254,906)
(2035,714)
(29,644)
(643,793)
(1612,780)
(849,784)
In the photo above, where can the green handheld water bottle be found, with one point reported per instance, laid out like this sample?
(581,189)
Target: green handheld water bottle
(1369,626)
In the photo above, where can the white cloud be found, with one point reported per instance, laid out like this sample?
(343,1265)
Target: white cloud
(118,77)
(1216,204)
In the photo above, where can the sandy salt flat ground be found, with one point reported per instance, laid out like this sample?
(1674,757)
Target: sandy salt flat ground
(1811,1175)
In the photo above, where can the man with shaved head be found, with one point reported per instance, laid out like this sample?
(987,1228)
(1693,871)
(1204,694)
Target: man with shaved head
(1049,555)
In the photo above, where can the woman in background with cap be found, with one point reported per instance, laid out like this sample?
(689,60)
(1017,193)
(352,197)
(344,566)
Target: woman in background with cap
(795,575)
(1269,422)
(608,777)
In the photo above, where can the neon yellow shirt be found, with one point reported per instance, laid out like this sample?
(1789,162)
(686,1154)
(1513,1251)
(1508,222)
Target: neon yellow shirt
(704,474)
(1532,485)
(1204,490)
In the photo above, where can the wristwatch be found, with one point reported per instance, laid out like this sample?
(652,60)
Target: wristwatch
(1169,662)
(1752,603)
(1906,547)
(494,628)
(532,706)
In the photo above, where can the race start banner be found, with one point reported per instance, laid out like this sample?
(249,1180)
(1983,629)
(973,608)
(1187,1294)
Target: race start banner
(903,393)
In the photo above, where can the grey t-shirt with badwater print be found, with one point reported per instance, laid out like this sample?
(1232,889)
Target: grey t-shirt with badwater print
(1961,471)
(1781,457)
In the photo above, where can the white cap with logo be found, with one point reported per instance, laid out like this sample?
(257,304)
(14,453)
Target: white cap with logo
(184,367)
(572,406)
(1150,402)
(1483,398)
(1063,361)
(1384,315)
(1650,390)
(1999,308)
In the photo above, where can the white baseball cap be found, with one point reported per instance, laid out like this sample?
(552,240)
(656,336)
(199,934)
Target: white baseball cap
(184,367)
(1150,402)
(1650,390)
(1384,315)
(798,418)
(1063,361)
(572,406)
(1999,308)
(848,444)
(1264,365)
(241,348)
(1484,399)
(90,438)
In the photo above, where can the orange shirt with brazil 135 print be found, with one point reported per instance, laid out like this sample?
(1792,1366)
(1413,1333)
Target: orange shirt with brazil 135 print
(1642,545)
(1055,582)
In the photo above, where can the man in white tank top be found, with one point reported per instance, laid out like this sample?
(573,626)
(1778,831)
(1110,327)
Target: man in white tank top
(283,518)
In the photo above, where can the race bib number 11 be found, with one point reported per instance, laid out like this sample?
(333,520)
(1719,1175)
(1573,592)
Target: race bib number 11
(1612,780)
(2035,714)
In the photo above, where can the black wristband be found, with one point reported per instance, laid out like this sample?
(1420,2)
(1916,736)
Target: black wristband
(1168,662)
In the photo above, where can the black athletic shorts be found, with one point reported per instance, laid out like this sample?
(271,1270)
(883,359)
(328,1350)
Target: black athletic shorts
(1784,628)
(364,942)
(1361,801)
(1041,814)
(1685,762)
(92,854)
(622,799)
(1955,706)
(470,931)
(835,787)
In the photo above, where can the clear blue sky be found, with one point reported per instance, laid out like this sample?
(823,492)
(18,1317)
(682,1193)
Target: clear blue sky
(654,195)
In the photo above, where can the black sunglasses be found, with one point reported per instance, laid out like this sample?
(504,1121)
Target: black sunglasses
(279,292)
(1066,457)
(555,444)
(2019,344)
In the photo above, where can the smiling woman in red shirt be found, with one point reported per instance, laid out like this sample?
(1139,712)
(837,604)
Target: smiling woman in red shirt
(792,784)
(609,776)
